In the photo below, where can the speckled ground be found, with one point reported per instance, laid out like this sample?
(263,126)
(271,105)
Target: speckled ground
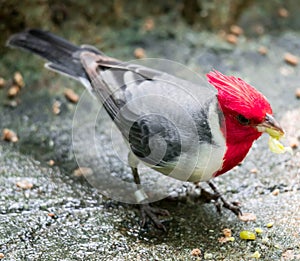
(62,217)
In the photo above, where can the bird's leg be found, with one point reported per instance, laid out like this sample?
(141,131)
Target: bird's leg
(146,210)
(233,206)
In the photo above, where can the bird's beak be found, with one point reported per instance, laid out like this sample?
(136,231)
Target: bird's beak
(271,126)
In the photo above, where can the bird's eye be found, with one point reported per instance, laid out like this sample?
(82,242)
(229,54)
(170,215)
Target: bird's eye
(243,120)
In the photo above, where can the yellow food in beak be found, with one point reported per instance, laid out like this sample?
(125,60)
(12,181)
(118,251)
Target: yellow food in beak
(276,147)
(274,133)
(272,127)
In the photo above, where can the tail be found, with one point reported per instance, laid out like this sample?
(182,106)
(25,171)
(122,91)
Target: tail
(62,55)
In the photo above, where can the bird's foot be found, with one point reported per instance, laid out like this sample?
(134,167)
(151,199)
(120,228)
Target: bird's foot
(219,200)
(232,206)
(152,213)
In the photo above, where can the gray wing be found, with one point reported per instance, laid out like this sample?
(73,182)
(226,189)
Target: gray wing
(158,114)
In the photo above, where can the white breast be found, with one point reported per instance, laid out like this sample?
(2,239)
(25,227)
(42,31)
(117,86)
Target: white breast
(210,158)
(200,165)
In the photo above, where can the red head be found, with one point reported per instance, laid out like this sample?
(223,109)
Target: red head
(245,110)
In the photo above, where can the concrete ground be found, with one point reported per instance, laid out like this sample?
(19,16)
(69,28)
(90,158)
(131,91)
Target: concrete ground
(59,216)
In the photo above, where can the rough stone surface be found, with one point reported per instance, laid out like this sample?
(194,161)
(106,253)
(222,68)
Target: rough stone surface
(62,217)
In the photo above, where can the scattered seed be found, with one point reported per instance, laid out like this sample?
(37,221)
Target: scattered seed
(236,30)
(247,217)
(227,236)
(254,170)
(231,38)
(297,93)
(263,50)
(83,171)
(2,82)
(226,239)
(270,224)
(18,79)
(51,162)
(282,12)
(24,184)
(51,214)
(139,53)
(56,107)
(247,235)
(196,252)
(258,230)
(227,232)
(13,91)
(256,255)
(148,24)
(71,95)
(291,59)
(294,143)
(275,192)
(9,135)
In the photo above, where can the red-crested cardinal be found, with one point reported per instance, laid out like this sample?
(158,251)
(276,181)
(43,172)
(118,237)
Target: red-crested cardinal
(225,124)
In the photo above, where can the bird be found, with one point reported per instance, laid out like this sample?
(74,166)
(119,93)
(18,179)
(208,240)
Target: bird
(170,124)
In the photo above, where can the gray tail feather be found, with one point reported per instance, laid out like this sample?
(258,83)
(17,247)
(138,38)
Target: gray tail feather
(62,55)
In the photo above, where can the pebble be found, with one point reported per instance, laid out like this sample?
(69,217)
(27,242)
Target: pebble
(9,135)
(291,59)
(18,79)
(51,214)
(24,184)
(56,107)
(13,91)
(71,95)
(227,232)
(275,192)
(231,38)
(196,252)
(297,93)
(51,162)
(294,143)
(282,12)
(2,255)
(139,53)
(254,171)
(237,30)
(2,82)
(82,171)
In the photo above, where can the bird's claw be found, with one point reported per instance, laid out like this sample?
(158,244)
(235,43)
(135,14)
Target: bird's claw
(151,212)
(220,201)
(232,206)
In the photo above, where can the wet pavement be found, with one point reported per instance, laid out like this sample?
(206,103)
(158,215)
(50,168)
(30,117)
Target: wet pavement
(62,217)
